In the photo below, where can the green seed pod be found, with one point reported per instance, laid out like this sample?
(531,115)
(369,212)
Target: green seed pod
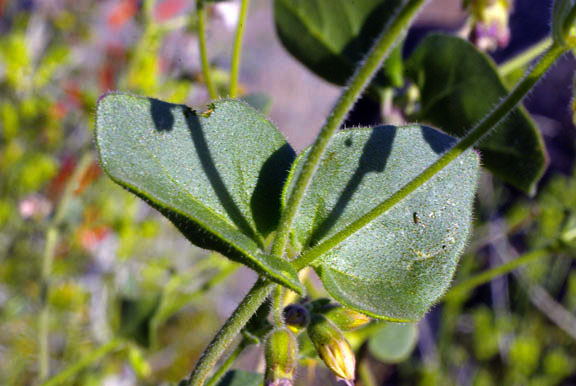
(281,352)
(296,317)
(332,346)
(345,318)
(563,19)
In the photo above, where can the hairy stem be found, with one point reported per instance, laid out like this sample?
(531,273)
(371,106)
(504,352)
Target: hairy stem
(201,14)
(480,130)
(228,332)
(52,238)
(63,376)
(237,52)
(227,364)
(493,273)
(360,80)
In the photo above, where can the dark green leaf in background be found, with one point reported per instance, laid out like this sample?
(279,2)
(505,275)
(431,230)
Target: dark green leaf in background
(393,342)
(459,85)
(241,378)
(331,36)
(400,264)
(217,175)
(136,315)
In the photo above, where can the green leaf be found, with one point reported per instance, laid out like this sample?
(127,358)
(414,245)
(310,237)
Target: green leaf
(401,263)
(136,316)
(331,36)
(217,175)
(459,85)
(241,378)
(393,342)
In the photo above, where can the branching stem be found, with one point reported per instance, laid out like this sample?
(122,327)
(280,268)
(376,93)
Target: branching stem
(360,80)
(481,129)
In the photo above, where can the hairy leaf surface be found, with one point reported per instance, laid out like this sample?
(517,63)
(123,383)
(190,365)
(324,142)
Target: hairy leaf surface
(217,175)
(459,86)
(401,263)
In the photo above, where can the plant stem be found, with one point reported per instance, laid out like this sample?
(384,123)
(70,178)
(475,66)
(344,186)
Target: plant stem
(525,57)
(229,330)
(86,361)
(487,276)
(227,364)
(360,80)
(52,238)
(201,14)
(480,130)
(237,52)
(365,374)
(277,306)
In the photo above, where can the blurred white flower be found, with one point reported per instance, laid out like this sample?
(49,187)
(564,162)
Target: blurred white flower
(228,12)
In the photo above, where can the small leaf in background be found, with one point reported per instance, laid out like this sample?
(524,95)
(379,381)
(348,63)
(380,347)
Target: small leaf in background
(217,174)
(241,378)
(450,72)
(393,342)
(259,101)
(136,315)
(331,36)
(401,263)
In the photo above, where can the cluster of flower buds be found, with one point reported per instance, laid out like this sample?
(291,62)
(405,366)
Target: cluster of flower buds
(325,322)
(489,23)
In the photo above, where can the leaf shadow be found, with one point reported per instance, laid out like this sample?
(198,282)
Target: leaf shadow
(374,158)
(163,117)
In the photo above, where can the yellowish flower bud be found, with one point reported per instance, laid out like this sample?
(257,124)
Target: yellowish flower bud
(332,347)
(346,319)
(281,351)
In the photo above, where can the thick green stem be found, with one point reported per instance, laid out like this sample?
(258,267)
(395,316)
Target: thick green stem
(227,364)
(229,331)
(237,52)
(52,238)
(480,130)
(201,14)
(524,58)
(83,363)
(277,305)
(493,273)
(360,80)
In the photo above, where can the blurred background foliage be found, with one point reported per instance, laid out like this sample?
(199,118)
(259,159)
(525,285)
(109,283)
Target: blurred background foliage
(97,289)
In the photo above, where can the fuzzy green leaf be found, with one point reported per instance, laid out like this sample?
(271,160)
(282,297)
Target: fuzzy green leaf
(400,264)
(217,175)
(331,36)
(393,342)
(459,85)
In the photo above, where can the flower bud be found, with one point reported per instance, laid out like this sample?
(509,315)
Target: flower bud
(332,347)
(281,351)
(490,28)
(296,317)
(345,318)
(563,21)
